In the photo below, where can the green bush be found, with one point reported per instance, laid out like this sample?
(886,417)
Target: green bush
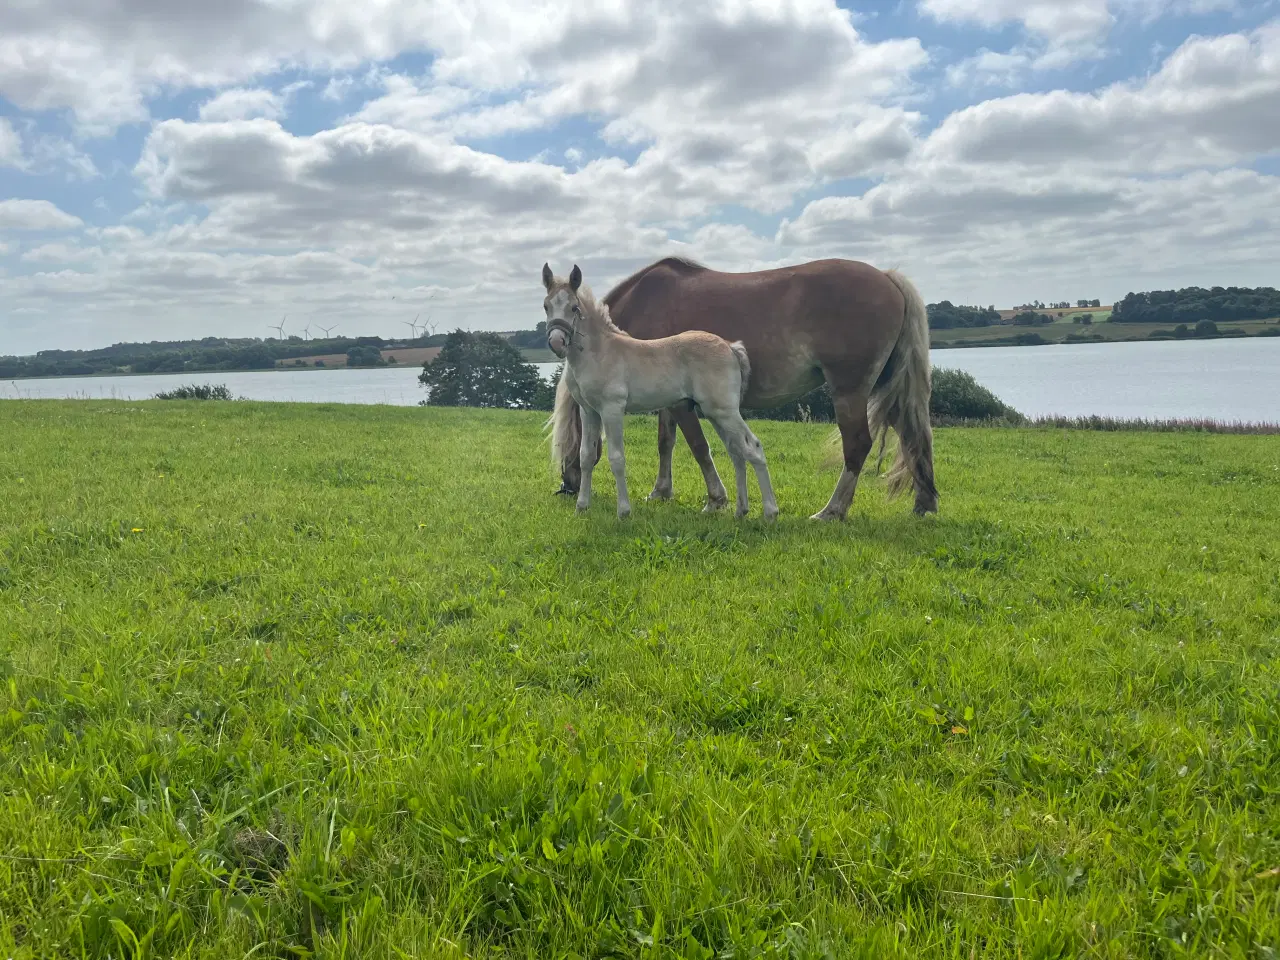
(956,396)
(365,355)
(197,391)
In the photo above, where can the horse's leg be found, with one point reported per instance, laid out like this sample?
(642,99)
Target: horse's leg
(662,489)
(731,443)
(755,454)
(617,459)
(687,420)
(855,436)
(587,454)
(747,448)
(571,468)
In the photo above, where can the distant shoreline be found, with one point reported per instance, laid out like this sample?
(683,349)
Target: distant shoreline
(1264,329)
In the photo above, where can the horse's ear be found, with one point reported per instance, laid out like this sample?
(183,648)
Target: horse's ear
(547,277)
(575,278)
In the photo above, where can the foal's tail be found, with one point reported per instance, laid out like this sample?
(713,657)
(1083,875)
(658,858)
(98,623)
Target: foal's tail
(900,399)
(744,364)
(564,426)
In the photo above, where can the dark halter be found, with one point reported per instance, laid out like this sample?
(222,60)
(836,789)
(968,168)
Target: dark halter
(570,332)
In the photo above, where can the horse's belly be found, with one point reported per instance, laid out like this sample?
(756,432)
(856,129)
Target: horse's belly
(654,397)
(781,376)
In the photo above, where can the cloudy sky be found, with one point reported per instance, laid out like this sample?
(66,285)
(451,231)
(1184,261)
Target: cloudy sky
(187,168)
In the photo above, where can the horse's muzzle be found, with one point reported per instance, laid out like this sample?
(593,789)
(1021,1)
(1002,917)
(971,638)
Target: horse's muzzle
(558,341)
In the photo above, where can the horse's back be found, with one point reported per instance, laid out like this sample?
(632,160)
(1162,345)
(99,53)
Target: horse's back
(673,295)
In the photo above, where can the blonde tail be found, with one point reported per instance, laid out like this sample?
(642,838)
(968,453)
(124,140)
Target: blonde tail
(900,399)
(563,424)
(744,364)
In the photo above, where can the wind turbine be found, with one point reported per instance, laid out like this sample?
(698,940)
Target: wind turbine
(428,327)
(306,332)
(413,326)
(279,327)
(327,330)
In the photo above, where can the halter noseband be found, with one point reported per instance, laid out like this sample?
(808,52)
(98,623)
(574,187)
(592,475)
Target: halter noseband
(570,331)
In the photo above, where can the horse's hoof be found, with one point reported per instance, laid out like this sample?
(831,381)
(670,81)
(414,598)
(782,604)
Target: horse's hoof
(826,517)
(659,495)
(714,505)
(770,515)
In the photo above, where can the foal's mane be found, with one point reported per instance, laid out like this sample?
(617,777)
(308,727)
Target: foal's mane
(597,310)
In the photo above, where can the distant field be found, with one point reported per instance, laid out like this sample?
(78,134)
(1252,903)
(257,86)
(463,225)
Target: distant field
(1058,331)
(1066,312)
(281,680)
(415,356)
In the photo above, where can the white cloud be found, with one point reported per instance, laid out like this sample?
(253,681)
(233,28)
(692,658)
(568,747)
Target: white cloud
(1064,30)
(239,103)
(35,215)
(1208,104)
(973,238)
(742,105)
(60,253)
(10,145)
(1063,20)
(989,68)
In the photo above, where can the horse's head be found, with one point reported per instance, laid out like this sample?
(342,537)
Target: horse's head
(564,311)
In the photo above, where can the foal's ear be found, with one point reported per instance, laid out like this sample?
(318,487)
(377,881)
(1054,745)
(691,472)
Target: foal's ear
(575,278)
(547,277)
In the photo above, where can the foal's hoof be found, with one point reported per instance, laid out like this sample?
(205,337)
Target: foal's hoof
(827,516)
(771,515)
(657,494)
(714,505)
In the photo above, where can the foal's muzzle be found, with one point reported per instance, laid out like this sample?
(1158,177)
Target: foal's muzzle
(559,336)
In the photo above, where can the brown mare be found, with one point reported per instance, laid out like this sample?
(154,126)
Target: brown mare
(861,329)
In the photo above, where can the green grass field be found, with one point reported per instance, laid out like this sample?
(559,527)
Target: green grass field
(341,681)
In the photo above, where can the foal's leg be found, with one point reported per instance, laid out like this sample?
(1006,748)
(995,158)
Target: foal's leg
(748,449)
(587,454)
(662,489)
(855,436)
(617,459)
(739,462)
(687,420)
(571,469)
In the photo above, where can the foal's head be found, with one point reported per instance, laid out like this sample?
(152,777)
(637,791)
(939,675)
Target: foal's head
(564,309)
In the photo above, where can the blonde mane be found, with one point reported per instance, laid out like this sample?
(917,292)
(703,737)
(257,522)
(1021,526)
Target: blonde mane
(598,310)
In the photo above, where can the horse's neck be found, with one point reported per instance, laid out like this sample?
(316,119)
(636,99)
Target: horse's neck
(598,335)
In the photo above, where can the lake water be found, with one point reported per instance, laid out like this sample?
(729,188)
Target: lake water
(1235,379)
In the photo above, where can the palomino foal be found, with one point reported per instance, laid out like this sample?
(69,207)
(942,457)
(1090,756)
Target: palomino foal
(610,374)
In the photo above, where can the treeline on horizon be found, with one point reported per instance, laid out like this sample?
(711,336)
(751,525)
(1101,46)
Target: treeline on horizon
(182,356)
(1188,306)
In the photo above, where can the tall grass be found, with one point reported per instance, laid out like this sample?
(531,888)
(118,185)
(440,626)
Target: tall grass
(197,391)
